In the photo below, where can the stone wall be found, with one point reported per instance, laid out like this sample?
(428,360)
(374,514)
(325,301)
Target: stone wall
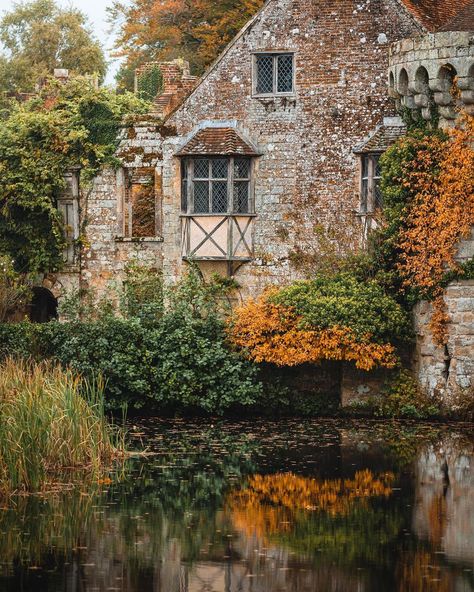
(422,72)
(448,372)
(307,174)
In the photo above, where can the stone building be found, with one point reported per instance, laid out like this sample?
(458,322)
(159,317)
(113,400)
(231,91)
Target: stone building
(241,170)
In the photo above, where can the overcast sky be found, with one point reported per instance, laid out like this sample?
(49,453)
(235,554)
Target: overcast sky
(95,11)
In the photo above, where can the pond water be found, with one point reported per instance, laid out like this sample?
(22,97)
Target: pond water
(294,506)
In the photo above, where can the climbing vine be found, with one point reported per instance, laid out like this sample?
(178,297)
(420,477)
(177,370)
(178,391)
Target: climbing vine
(73,124)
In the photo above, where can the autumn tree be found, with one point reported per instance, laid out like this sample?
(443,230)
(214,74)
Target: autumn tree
(196,30)
(39,36)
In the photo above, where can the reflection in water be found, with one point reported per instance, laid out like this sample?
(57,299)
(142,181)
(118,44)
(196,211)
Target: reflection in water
(290,506)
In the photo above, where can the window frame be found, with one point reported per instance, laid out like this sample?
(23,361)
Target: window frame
(275,54)
(129,177)
(68,201)
(369,205)
(188,180)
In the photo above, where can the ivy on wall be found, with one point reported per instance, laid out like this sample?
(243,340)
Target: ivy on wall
(73,124)
(149,83)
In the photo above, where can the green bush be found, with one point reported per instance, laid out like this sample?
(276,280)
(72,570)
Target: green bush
(401,398)
(173,357)
(343,300)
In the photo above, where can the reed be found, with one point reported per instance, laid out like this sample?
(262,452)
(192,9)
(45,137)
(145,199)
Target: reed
(52,424)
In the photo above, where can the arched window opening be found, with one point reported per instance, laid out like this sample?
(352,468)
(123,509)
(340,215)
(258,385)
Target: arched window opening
(422,81)
(44,306)
(403,82)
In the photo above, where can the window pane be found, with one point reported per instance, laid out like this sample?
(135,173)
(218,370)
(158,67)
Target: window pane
(219,168)
(364,195)
(201,197)
(241,197)
(365,166)
(201,168)
(264,74)
(219,197)
(378,197)
(377,167)
(184,185)
(241,168)
(184,195)
(285,73)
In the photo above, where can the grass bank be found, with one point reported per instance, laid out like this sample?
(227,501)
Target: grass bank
(52,424)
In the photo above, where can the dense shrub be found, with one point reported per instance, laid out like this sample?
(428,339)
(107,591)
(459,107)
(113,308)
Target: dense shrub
(173,357)
(334,317)
(401,397)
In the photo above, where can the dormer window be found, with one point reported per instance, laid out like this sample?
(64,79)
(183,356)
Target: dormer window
(274,74)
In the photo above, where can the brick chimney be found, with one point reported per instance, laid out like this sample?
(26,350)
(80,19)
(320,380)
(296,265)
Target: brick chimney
(177,84)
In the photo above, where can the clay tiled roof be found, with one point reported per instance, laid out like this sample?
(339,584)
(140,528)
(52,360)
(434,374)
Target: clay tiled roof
(463,21)
(436,14)
(381,139)
(217,140)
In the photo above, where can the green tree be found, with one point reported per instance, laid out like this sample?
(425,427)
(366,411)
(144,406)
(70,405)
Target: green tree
(39,36)
(68,125)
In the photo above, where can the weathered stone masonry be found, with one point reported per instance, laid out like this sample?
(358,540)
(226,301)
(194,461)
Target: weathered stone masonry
(306,171)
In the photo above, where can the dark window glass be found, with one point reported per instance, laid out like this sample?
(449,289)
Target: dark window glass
(184,186)
(241,197)
(219,168)
(285,73)
(219,197)
(241,168)
(264,74)
(201,168)
(201,197)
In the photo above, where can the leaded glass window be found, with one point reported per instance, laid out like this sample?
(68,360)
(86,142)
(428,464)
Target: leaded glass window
(370,192)
(216,185)
(274,73)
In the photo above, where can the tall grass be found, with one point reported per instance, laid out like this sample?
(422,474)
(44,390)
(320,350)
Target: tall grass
(51,421)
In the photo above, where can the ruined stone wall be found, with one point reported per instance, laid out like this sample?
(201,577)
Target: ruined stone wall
(307,174)
(107,245)
(448,372)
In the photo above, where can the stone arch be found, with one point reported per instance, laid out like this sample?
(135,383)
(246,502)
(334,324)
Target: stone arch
(470,76)
(52,283)
(446,76)
(391,81)
(403,82)
(44,306)
(422,80)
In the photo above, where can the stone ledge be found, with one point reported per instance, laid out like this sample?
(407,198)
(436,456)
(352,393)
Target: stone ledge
(145,239)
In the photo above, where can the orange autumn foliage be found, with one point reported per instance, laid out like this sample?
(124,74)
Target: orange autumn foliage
(271,333)
(440,216)
(266,506)
(196,30)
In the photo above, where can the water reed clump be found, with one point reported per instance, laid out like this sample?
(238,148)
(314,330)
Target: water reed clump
(52,424)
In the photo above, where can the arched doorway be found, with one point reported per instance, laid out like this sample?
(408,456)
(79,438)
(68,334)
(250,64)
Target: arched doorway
(44,306)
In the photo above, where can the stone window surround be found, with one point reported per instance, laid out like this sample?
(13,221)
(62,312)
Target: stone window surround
(124,213)
(188,178)
(275,53)
(68,205)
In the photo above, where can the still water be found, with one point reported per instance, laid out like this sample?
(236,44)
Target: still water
(294,506)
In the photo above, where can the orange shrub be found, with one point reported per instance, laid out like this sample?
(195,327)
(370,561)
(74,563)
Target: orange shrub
(272,333)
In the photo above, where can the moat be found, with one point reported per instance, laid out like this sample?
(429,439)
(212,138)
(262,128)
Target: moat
(258,506)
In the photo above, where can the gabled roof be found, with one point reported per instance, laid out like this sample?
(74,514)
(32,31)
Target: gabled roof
(463,21)
(217,141)
(383,137)
(435,15)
